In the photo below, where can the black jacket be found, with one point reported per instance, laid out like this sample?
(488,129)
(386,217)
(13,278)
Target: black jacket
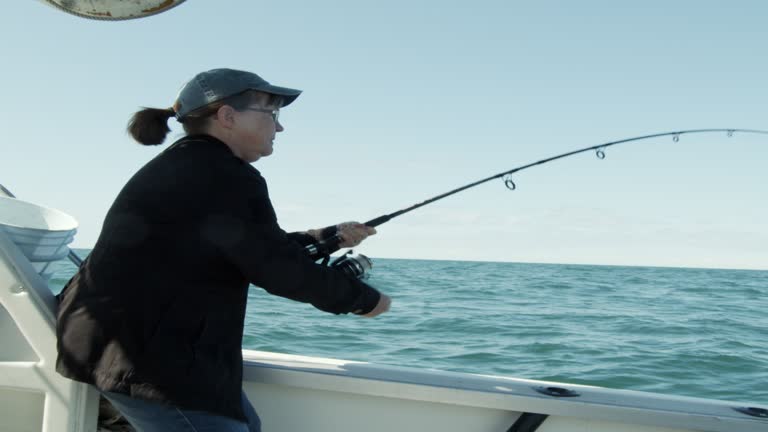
(157,309)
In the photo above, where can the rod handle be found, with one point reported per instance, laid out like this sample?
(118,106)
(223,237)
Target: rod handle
(327,246)
(323,248)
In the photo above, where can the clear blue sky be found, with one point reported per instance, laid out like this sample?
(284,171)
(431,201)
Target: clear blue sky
(404,100)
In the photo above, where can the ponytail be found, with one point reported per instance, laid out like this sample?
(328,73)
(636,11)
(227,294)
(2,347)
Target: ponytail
(150,125)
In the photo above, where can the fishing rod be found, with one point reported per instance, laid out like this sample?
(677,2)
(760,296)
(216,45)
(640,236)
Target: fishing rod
(324,248)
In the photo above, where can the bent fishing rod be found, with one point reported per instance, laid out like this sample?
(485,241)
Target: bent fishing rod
(324,248)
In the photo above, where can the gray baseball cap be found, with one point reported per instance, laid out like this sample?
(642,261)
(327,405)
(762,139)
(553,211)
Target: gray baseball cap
(216,84)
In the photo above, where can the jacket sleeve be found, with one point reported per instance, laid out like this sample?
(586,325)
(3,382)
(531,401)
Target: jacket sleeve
(301,238)
(241,224)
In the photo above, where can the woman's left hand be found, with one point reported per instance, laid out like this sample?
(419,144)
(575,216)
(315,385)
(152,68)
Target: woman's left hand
(353,233)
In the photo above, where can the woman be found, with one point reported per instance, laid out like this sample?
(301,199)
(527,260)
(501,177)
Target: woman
(154,317)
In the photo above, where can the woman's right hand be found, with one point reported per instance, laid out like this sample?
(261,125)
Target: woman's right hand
(382,306)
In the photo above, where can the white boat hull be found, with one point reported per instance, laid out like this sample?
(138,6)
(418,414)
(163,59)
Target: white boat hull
(304,393)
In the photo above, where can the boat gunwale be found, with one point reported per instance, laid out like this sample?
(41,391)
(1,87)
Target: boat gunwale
(498,392)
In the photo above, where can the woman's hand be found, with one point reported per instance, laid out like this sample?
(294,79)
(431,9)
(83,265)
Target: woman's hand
(382,306)
(351,233)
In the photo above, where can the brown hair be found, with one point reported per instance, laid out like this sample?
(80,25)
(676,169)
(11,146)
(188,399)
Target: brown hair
(149,126)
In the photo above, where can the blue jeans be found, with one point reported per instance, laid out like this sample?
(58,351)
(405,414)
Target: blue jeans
(148,416)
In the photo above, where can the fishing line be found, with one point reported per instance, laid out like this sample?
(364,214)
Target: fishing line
(324,248)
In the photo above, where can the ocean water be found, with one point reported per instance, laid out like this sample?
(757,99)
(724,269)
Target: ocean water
(691,332)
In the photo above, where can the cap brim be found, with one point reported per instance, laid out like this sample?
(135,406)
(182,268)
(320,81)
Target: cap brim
(289,95)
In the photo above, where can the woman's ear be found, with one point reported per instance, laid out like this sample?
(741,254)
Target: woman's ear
(225,116)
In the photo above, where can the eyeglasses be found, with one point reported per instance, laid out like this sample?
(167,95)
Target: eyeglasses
(274,112)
